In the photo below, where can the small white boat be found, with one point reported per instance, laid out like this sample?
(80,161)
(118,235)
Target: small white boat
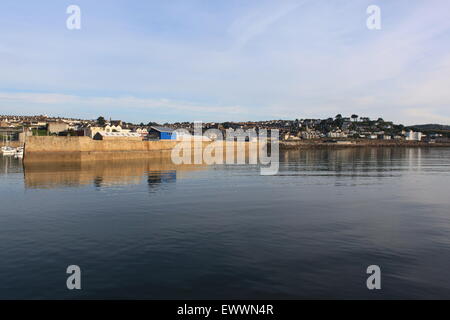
(19,153)
(8,151)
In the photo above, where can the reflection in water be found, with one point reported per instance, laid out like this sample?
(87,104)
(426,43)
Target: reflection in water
(340,162)
(101,173)
(146,229)
(98,182)
(156,178)
(9,164)
(354,160)
(354,163)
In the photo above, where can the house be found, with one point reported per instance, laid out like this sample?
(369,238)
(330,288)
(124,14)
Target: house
(413,136)
(113,128)
(117,123)
(346,125)
(57,127)
(337,134)
(102,135)
(93,130)
(5,123)
(311,134)
(161,133)
(287,136)
(384,137)
(142,131)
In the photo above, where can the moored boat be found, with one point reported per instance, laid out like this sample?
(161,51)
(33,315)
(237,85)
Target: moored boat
(18,152)
(8,151)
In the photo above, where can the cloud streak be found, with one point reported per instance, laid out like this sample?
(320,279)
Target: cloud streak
(42,101)
(245,28)
(182,61)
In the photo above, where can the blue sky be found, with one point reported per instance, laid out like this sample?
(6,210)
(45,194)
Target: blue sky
(185,60)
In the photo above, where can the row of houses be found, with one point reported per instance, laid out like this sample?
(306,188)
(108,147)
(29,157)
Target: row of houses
(17,128)
(311,134)
(304,129)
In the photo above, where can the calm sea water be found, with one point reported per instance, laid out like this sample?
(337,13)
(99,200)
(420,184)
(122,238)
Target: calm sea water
(148,230)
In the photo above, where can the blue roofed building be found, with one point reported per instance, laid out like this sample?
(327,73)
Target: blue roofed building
(161,133)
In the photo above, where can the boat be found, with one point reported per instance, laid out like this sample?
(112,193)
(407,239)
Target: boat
(8,151)
(19,153)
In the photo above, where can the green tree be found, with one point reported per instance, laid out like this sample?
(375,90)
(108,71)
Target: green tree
(338,122)
(355,117)
(101,121)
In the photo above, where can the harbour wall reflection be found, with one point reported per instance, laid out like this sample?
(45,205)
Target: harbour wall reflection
(103,173)
(106,170)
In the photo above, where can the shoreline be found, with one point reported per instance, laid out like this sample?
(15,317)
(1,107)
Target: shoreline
(295,145)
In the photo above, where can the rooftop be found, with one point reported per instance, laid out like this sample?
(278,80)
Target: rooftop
(162,129)
(119,134)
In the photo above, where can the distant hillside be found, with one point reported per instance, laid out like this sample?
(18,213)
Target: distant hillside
(430,127)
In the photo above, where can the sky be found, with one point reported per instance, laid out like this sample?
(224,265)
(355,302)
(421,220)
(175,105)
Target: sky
(226,60)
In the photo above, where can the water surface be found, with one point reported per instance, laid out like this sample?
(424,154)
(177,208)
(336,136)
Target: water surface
(146,229)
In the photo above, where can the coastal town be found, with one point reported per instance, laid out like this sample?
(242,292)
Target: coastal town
(17,128)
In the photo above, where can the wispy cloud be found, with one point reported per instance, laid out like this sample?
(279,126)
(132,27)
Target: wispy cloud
(245,28)
(108,105)
(228,60)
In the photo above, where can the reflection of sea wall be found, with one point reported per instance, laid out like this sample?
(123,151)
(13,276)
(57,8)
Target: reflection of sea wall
(51,174)
(312,144)
(354,159)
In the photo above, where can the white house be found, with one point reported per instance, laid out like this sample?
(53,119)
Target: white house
(413,136)
(337,134)
(108,128)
